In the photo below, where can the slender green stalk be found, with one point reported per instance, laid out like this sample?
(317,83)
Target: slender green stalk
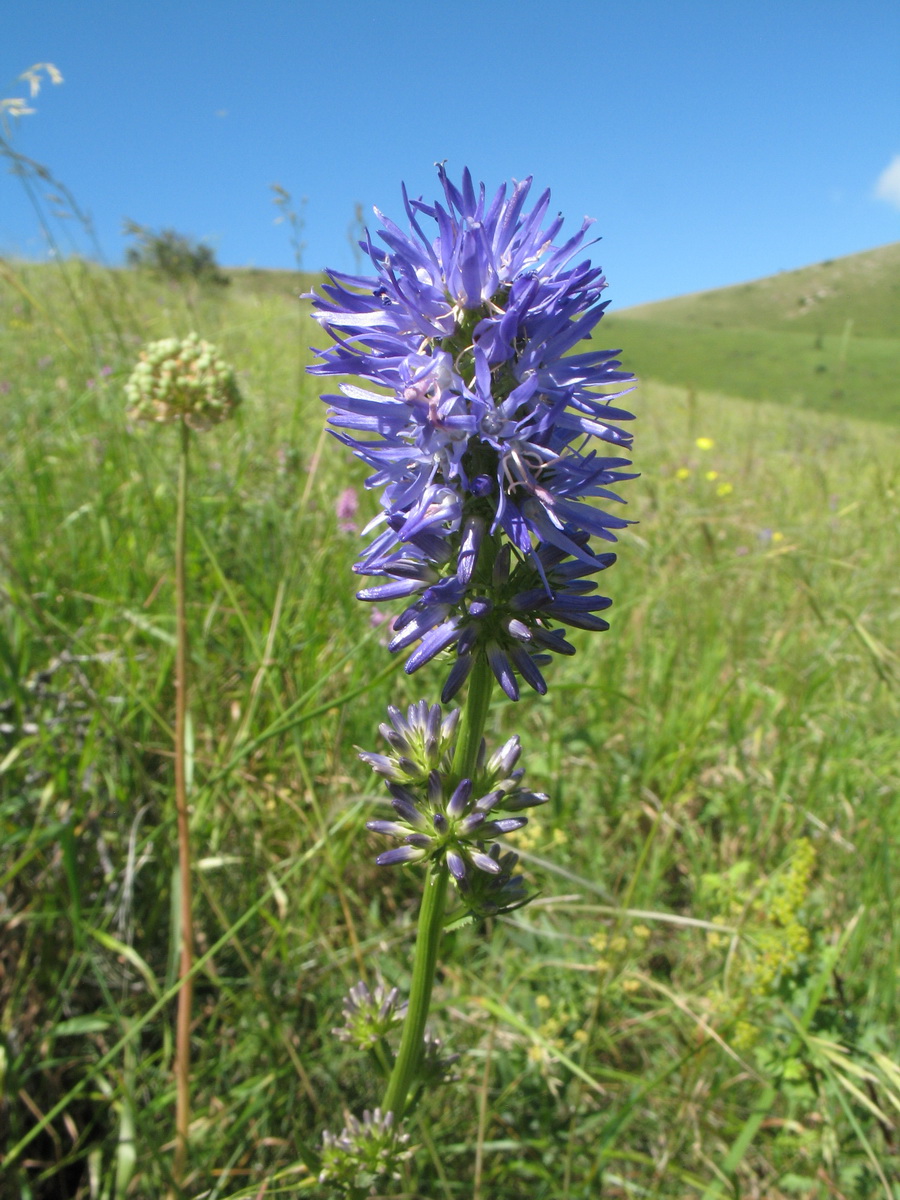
(434,901)
(478,700)
(428,941)
(185,994)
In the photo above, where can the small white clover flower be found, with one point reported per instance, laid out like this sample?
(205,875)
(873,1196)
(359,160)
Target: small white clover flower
(182,380)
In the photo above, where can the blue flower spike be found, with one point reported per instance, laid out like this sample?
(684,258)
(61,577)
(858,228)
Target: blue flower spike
(478,421)
(491,426)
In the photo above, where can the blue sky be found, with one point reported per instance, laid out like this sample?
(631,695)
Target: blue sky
(714,141)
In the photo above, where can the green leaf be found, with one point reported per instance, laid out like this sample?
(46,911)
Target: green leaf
(78,1026)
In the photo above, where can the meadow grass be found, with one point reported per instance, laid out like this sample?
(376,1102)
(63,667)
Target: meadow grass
(863,288)
(703,1000)
(825,337)
(845,375)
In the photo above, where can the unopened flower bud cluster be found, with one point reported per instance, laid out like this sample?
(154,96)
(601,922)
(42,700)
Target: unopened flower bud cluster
(182,380)
(439,819)
(368,1016)
(364,1151)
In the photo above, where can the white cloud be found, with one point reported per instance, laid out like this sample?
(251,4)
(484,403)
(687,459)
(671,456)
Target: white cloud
(888,186)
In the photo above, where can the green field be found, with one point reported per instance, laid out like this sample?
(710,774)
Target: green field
(826,337)
(703,1002)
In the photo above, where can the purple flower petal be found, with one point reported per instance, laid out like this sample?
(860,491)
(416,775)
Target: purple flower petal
(483,862)
(456,864)
(459,801)
(400,854)
(502,668)
(388,828)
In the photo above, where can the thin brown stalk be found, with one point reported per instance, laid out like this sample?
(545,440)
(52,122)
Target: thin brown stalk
(185,994)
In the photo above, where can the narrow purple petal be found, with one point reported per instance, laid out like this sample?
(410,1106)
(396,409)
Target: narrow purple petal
(408,812)
(400,854)
(433,643)
(421,840)
(458,802)
(524,664)
(395,590)
(388,828)
(483,862)
(456,864)
(459,672)
(472,823)
(502,668)
(504,825)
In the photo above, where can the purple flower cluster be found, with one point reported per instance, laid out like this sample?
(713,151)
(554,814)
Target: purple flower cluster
(437,819)
(479,435)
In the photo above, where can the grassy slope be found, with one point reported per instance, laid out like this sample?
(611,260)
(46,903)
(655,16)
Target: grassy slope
(824,337)
(746,696)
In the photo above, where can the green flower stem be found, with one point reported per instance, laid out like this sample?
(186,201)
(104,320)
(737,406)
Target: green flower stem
(428,940)
(478,700)
(185,994)
(434,902)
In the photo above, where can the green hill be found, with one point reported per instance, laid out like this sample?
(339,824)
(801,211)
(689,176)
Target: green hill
(825,337)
